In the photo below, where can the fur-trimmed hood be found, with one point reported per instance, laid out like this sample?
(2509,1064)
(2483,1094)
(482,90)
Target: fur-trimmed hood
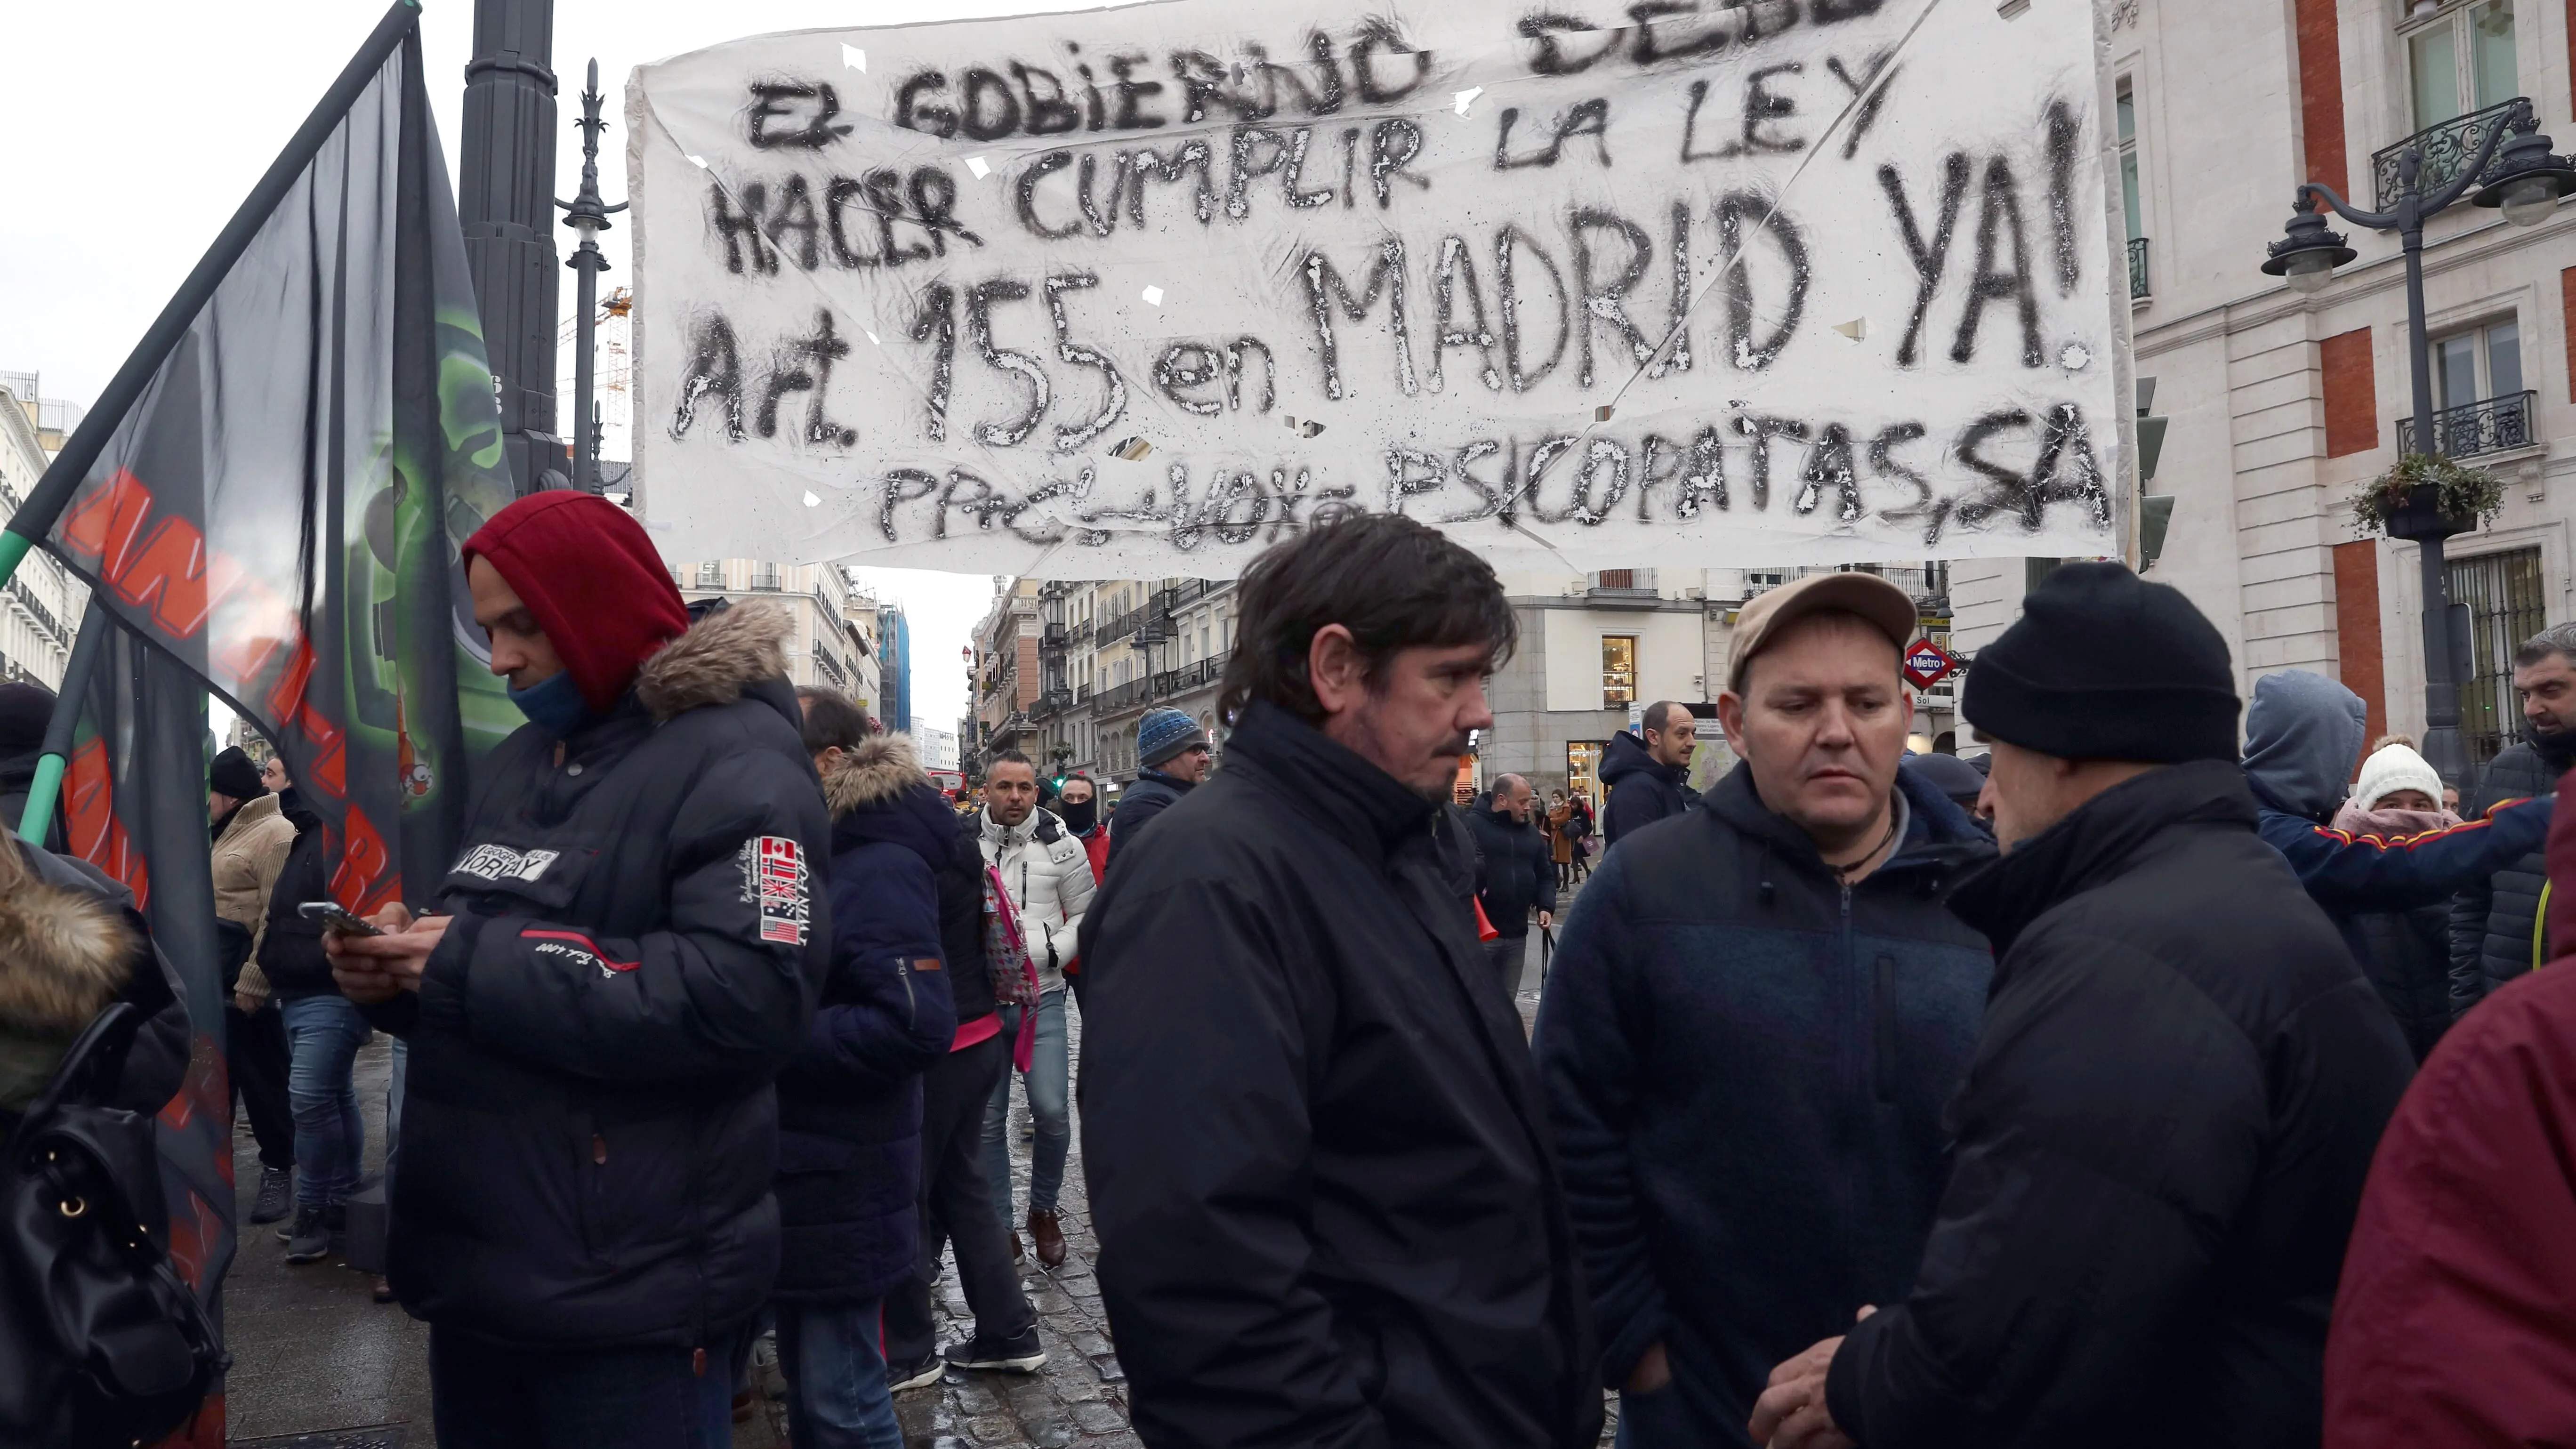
(878,795)
(712,663)
(64,955)
(882,767)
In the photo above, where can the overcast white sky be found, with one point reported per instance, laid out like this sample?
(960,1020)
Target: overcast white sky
(134,130)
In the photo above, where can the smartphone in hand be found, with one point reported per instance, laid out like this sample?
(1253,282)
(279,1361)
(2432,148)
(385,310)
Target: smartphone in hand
(337,917)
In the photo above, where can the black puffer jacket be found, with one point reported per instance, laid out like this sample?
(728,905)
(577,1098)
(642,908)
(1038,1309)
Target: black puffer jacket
(589,1130)
(2158,1152)
(2495,925)
(290,950)
(2407,956)
(1518,876)
(1319,1165)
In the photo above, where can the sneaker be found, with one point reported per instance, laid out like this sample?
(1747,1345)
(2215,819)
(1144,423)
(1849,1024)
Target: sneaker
(920,1373)
(276,1194)
(1022,1354)
(309,1240)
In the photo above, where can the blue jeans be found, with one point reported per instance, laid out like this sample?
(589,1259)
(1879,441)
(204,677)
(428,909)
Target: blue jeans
(323,1034)
(1048,1077)
(484,1396)
(833,1355)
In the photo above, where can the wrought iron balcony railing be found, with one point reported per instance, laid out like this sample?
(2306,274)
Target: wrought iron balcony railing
(1133,692)
(2497,425)
(2448,149)
(2139,291)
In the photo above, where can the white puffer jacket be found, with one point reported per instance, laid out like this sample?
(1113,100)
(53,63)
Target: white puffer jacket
(1048,874)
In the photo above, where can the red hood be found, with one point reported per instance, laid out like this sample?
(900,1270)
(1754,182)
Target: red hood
(595,583)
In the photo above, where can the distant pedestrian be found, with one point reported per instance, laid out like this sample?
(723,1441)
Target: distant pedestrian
(849,1101)
(1958,781)
(251,840)
(625,954)
(1078,804)
(26,711)
(2498,930)
(1519,880)
(1320,1172)
(1587,836)
(1173,753)
(1647,771)
(2387,890)
(1560,837)
(2156,1154)
(2450,1319)
(1755,1017)
(1048,875)
(324,1031)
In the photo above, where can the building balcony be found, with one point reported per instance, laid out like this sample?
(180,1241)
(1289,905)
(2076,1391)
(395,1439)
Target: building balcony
(830,668)
(2448,148)
(2139,290)
(1195,676)
(764,579)
(1054,639)
(1126,696)
(2497,425)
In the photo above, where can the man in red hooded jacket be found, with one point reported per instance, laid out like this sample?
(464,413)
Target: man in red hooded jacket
(623,955)
(2453,1322)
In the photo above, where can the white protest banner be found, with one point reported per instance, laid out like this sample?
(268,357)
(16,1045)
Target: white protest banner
(1138,292)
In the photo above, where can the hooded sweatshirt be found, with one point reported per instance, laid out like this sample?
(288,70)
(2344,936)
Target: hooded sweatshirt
(2303,738)
(592,580)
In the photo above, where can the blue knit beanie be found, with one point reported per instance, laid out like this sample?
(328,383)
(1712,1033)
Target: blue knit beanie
(1164,733)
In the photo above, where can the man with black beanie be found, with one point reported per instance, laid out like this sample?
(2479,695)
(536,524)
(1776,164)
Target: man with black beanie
(2182,1075)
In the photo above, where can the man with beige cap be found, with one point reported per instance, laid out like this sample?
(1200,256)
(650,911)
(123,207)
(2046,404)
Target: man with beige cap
(1754,1018)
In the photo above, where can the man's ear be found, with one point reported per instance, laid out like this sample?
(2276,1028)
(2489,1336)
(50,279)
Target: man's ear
(1335,669)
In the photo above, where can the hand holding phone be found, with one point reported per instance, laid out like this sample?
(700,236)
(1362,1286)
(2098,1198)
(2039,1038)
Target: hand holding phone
(337,917)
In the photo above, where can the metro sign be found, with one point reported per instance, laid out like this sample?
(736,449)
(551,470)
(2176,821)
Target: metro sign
(1927,664)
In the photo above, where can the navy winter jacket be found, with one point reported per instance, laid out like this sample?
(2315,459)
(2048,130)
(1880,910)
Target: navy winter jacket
(1746,1062)
(1641,791)
(1151,794)
(2303,738)
(849,1103)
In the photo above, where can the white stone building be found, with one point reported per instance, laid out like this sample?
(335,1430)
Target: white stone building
(40,609)
(2282,405)
(833,645)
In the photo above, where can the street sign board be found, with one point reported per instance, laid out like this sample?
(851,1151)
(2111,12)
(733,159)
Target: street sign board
(1927,664)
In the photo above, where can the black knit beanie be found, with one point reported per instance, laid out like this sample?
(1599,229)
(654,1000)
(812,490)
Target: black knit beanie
(25,709)
(233,774)
(2103,665)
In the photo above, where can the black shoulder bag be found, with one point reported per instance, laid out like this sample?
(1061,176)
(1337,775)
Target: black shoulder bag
(104,1344)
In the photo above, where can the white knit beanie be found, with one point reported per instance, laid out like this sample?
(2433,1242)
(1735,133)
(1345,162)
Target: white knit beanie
(2390,769)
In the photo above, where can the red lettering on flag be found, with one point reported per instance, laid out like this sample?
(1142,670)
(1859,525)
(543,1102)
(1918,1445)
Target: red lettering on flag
(97,835)
(364,882)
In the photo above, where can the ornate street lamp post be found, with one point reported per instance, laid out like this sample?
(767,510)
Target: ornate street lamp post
(587,213)
(2526,181)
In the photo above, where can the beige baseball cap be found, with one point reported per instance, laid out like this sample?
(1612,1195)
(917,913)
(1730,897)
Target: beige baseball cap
(1767,614)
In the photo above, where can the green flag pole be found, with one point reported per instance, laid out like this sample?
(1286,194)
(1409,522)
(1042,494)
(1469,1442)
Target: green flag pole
(47,787)
(36,517)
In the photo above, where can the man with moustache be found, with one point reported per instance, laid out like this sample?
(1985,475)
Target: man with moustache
(1319,1166)
(1756,1013)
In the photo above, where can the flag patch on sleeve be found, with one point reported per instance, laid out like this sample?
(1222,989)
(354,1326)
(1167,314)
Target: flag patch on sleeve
(774,876)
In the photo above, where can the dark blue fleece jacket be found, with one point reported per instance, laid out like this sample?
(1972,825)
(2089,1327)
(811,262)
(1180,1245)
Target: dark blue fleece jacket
(1745,1063)
(849,1103)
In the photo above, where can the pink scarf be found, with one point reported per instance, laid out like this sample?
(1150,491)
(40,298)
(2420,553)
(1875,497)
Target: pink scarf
(2392,824)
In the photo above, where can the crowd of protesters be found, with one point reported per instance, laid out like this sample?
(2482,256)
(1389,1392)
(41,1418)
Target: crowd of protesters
(2058,1097)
